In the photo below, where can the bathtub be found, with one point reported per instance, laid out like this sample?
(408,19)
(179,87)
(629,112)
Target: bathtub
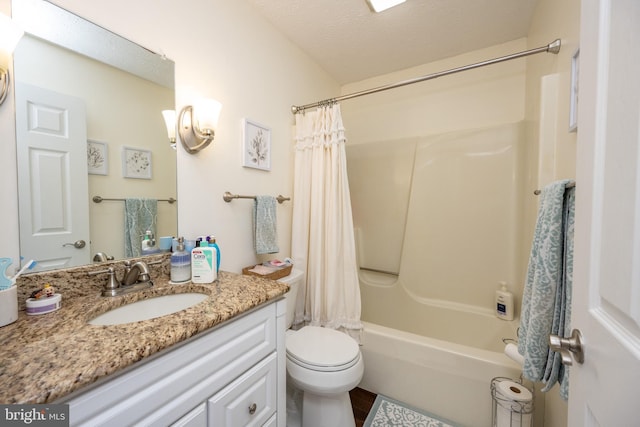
(449,377)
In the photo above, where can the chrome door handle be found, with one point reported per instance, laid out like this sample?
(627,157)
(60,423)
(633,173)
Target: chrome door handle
(78,244)
(569,348)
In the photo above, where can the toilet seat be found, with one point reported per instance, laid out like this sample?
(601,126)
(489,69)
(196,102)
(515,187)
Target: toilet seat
(322,349)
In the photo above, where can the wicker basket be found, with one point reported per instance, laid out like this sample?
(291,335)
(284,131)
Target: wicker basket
(278,274)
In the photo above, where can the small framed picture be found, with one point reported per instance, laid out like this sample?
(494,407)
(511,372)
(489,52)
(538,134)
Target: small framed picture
(136,163)
(97,157)
(573,107)
(256,147)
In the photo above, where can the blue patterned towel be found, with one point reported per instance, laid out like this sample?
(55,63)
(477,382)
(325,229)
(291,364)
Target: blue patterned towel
(139,216)
(265,229)
(546,302)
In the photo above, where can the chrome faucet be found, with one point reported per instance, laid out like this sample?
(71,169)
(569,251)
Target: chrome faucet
(137,272)
(136,278)
(101,257)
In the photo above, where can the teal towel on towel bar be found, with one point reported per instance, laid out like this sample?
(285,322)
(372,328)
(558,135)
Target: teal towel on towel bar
(139,216)
(546,301)
(265,229)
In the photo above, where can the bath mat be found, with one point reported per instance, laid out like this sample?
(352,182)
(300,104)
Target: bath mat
(387,412)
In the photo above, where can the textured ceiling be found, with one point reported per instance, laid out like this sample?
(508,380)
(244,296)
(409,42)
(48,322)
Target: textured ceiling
(352,43)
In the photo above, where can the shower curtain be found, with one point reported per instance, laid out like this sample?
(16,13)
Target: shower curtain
(323,243)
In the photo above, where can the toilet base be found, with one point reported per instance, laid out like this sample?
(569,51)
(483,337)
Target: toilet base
(327,411)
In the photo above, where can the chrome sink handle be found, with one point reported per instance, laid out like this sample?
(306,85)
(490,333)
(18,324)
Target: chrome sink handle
(138,277)
(113,282)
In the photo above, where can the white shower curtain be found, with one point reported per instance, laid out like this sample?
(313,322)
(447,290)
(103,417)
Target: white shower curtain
(322,242)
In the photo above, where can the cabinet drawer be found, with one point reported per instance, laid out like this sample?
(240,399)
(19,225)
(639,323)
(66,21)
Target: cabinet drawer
(195,418)
(248,401)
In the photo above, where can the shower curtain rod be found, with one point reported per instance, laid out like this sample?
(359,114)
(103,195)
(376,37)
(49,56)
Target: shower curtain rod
(553,47)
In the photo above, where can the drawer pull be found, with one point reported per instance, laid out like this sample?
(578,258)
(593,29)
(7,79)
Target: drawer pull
(252,408)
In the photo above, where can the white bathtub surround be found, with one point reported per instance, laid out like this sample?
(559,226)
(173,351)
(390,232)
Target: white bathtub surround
(445,212)
(322,242)
(546,303)
(440,377)
(446,216)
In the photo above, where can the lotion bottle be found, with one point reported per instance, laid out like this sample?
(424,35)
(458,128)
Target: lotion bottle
(504,303)
(212,242)
(203,264)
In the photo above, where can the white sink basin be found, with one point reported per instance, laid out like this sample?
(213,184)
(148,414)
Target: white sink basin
(148,309)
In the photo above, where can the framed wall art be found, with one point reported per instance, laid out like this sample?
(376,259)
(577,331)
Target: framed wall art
(256,146)
(136,163)
(97,157)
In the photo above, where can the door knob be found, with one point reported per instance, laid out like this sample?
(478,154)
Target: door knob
(78,244)
(568,347)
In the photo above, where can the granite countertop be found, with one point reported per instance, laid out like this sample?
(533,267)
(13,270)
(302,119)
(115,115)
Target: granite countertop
(44,358)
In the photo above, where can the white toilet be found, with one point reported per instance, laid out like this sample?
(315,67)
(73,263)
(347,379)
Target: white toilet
(324,365)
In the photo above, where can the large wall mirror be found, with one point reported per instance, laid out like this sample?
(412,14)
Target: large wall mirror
(88,124)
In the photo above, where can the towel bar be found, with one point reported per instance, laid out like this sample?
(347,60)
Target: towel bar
(569,185)
(227,197)
(98,199)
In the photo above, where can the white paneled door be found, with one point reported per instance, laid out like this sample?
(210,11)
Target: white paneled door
(53,197)
(603,390)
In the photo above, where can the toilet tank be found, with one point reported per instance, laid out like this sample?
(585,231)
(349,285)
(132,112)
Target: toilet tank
(294,280)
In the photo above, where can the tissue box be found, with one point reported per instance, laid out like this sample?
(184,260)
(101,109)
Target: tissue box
(274,275)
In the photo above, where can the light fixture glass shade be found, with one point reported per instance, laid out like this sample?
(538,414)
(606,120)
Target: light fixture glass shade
(10,34)
(380,5)
(207,113)
(170,122)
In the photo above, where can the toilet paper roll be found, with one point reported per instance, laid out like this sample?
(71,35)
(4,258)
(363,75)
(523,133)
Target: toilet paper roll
(511,350)
(514,404)
(511,390)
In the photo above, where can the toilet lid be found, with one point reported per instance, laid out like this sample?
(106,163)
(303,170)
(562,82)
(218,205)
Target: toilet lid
(322,349)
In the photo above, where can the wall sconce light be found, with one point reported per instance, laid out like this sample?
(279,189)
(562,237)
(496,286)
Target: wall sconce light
(170,122)
(10,35)
(197,124)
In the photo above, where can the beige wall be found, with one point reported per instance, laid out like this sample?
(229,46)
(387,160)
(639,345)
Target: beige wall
(224,50)
(554,149)
(480,98)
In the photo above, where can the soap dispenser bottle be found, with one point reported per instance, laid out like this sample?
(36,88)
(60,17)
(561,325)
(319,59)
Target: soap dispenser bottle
(504,303)
(148,244)
(180,264)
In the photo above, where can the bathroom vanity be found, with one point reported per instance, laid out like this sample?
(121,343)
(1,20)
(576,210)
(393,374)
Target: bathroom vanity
(220,362)
(226,377)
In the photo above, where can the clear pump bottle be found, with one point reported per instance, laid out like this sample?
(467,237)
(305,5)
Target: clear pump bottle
(180,264)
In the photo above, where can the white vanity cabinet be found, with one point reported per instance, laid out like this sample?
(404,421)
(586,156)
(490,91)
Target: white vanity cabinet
(232,376)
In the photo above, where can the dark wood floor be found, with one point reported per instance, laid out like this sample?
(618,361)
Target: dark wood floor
(361,402)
